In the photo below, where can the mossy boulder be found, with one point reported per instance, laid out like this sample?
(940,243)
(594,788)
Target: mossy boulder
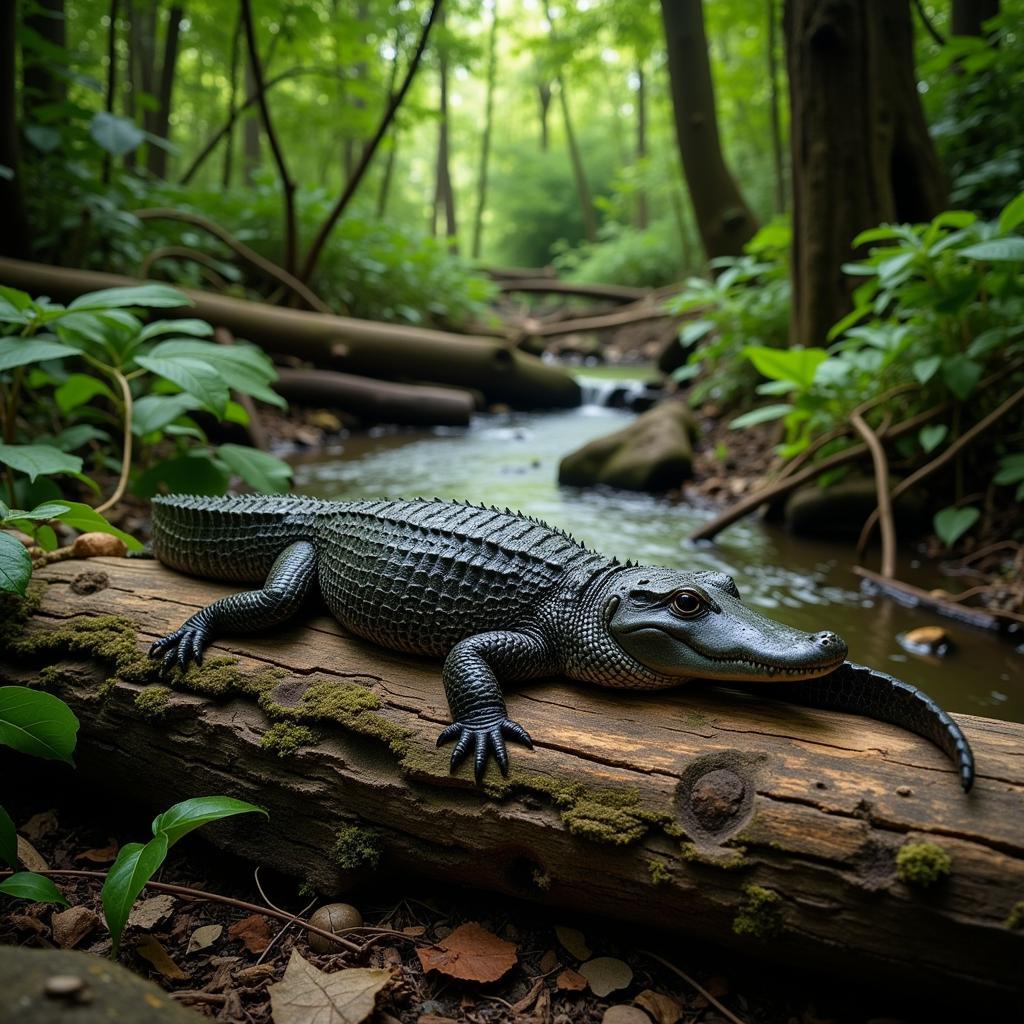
(654,453)
(838,512)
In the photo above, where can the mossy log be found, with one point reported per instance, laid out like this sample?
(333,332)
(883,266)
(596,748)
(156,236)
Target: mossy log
(364,347)
(750,823)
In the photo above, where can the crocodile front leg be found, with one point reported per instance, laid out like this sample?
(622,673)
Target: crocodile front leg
(470,679)
(285,589)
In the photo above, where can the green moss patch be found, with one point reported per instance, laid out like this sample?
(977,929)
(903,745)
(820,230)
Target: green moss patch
(660,874)
(285,738)
(760,914)
(1015,918)
(357,846)
(922,864)
(152,702)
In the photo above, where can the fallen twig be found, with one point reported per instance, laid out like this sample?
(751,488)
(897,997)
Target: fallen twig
(700,988)
(881,467)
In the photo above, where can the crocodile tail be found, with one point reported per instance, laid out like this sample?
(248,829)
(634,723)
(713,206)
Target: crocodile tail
(865,691)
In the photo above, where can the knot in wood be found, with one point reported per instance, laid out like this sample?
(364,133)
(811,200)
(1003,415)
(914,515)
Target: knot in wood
(716,798)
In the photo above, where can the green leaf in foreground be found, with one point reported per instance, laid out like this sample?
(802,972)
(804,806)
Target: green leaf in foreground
(179,820)
(952,523)
(135,866)
(27,885)
(263,471)
(8,840)
(38,460)
(996,250)
(15,565)
(88,520)
(22,351)
(762,415)
(146,295)
(37,723)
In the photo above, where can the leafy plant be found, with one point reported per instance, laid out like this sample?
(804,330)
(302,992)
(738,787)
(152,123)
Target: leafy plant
(137,863)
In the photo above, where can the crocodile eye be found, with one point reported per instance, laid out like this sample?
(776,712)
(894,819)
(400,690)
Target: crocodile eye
(687,604)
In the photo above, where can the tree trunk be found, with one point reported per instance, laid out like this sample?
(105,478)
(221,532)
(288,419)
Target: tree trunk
(544,98)
(724,220)
(778,161)
(229,144)
(579,172)
(15,238)
(250,130)
(485,144)
(362,347)
(41,78)
(767,828)
(444,197)
(641,145)
(156,159)
(111,92)
(861,153)
(968,16)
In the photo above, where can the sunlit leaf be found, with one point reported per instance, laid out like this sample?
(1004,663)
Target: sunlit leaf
(37,723)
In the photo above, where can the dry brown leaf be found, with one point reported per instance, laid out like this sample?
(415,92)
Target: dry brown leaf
(149,948)
(549,961)
(664,1009)
(204,937)
(415,930)
(26,923)
(149,913)
(101,855)
(542,1011)
(40,825)
(470,953)
(606,974)
(570,981)
(72,925)
(574,941)
(29,856)
(254,931)
(307,995)
(623,1014)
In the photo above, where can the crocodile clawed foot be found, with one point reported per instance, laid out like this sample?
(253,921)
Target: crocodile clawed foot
(483,738)
(181,646)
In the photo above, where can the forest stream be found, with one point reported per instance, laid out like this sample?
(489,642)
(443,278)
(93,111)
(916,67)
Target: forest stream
(511,459)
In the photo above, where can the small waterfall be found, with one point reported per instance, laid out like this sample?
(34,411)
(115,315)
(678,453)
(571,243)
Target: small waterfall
(609,393)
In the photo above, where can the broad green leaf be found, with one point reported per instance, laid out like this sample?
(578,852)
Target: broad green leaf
(848,321)
(1012,215)
(925,369)
(45,537)
(693,332)
(22,351)
(8,840)
(686,372)
(117,135)
(78,389)
(241,367)
(1011,470)
(883,233)
(15,565)
(88,520)
(179,820)
(996,250)
(961,375)
(15,299)
(147,296)
(191,474)
(38,459)
(37,723)
(932,436)
(265,472)
(761,415)
(987,341)
(135,866)
(795,364)
(74,437)
(195,328)
(195,377)
(27,885)
(952,523)
(42,136)
(48,510)
(154,412)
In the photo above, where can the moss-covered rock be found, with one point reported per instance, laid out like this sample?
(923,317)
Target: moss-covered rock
(838,512)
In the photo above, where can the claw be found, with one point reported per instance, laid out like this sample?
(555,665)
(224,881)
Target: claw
(483,740)
(500,753)
(480,757)
(461,748)
(516,732)
(448,733)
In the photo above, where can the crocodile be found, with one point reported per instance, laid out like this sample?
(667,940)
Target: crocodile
(502,596)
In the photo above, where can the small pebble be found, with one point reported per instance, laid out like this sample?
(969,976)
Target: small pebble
(904,790)
(65,986)
(93,545)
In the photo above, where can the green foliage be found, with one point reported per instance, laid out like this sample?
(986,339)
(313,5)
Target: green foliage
(744,308)
(137,863)
(952,523)
(643,258)
(27,885)
(37,723)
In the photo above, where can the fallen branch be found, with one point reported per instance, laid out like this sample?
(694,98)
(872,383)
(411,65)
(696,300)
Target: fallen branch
(612,292)
(243,251)
(178,252)
(881,467)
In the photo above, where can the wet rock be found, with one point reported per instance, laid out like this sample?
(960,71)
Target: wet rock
(654,453)
(838,512)
(934,640)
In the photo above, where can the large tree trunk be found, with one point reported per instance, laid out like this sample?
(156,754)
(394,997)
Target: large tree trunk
(485,144)
(778,162)
(229,143)
(41,78)
(724,220)
(250,130)
(15,237)
(579,172)
(364,347)
(861,153)
(444,196)
(968,16)
(156,159)
(751,823)
(641,143)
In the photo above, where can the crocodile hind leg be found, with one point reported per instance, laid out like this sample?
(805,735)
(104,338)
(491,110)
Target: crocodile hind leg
(281,596)
(481,723)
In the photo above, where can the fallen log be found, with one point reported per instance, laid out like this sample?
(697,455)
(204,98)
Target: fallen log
(376,401)
(751,823)
(611,292)
(364,347)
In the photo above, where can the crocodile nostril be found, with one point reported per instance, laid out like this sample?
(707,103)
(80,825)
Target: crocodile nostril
(827,640)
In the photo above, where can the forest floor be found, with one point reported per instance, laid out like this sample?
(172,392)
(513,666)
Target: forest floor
(223,962)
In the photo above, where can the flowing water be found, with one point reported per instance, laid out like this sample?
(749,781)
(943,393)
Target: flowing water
(512,460)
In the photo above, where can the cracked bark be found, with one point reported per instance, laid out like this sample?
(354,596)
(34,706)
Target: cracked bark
(820,822)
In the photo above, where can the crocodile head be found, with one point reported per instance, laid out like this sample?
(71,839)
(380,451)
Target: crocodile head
(694,626)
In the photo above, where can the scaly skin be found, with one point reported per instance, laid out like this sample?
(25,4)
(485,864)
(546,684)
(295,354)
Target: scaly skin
(502,596)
